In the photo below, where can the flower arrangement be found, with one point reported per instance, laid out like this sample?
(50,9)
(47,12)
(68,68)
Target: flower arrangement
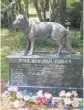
(25,99)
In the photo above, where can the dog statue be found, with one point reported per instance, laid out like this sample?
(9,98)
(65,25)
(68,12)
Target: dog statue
(33,30)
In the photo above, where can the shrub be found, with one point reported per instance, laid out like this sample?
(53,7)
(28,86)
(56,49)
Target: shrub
(4,18)
(20,39)
(44,43)
(76,41)
(74,14)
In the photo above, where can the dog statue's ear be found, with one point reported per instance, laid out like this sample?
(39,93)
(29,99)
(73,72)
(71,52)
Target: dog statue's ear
(16,13)
(22,12)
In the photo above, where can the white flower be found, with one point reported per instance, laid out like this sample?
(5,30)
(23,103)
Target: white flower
(9,89)
(62,93)
(33,98)
(68,94)
(16,104)
(67,101)
(75,103)
(39,92)
(6,94)
(39,95)
(74,93)
(19,95)
(48,95)
(26,98)
(13,89)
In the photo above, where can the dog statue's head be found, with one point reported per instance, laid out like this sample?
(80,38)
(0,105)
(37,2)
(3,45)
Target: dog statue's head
(21,21)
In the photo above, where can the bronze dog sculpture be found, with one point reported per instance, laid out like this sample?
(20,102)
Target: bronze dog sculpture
(33,30)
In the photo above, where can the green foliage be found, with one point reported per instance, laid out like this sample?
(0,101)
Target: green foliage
(10,41)
(22,4)
(76,42)
(70,2)
(44,43)
(4,17)
(4,20)
(4,69)
(74,14)
(2,5)
(20,39)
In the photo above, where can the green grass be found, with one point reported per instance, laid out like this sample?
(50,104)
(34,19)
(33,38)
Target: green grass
(69,2)
(11,41)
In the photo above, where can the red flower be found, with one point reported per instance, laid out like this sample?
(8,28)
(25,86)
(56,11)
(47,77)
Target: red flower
(43,99)
(38,100)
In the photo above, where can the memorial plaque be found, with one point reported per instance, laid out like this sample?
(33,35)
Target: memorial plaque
(45,71)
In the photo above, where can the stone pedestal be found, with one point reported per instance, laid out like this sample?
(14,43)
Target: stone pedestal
(46,71)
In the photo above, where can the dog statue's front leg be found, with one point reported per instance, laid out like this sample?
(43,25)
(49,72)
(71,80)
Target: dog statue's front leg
(32,47)
(60,47)
(59,50)
(28,46)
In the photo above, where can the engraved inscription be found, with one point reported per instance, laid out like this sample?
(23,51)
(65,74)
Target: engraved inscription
(47,61)
(44,72)
(18,77)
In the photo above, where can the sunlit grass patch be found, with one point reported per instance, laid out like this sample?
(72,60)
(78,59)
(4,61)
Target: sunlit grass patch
(32,11)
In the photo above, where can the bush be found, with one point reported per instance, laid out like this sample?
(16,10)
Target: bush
(74,14)
(20,39)
(76,41)
(44,43)
(4,17)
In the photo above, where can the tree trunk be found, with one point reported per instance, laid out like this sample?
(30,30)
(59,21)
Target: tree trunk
(19,5)
(81,24)
(62,11)
(81,30)
(12,17)
(10,14)
(14,2)
(43,9)
(38,10)
(58,10)
(9,20)
(26,7)
(55,13)
(53,9)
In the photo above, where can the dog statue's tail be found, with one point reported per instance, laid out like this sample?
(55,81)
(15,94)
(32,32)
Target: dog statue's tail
(68,44)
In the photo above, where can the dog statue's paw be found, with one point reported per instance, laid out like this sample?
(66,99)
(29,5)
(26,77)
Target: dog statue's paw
(72,52)
(25,53)
(55,55)
(29,53)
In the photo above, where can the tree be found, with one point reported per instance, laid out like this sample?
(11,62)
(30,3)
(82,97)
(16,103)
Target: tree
(13,2)
(11,9)
(26,3)
(35,2)
(58,9)
(62,11)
